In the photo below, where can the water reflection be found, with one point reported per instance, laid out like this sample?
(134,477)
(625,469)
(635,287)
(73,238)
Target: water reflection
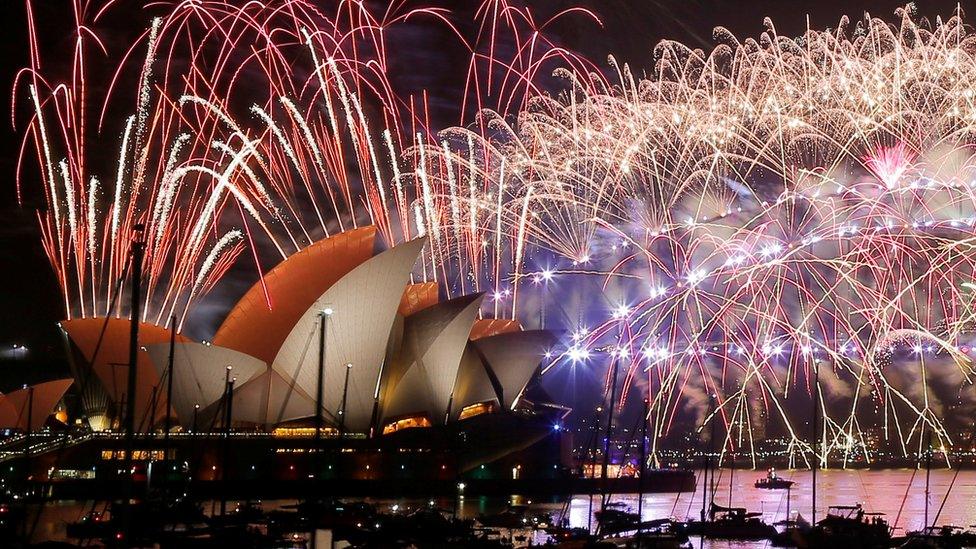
(883,491)
(878,491)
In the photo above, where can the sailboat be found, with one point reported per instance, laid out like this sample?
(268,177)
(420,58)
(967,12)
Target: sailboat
(795,532)
(615,519)
(734,523)
(948,536)
(851,526)
(845,525)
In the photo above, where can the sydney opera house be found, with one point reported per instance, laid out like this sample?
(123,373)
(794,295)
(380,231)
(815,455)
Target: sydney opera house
(412,385)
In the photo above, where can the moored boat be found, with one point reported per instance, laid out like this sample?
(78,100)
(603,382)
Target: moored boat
(850,526)
(772,481)
(734,523)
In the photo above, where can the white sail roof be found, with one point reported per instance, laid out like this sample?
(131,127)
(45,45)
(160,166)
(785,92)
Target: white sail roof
(514,357)
(269,399)
(201,372)
(473,384)
(433,343)
(33,403)
(364,304)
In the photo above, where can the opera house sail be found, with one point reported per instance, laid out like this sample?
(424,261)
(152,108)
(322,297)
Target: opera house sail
(405,375)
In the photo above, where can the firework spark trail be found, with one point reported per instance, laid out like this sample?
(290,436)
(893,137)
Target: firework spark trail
(750,211)
(183,85)
(99,250)
(163,119)
(777,202)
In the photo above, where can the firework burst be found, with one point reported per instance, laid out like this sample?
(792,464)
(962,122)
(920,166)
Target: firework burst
(749,212)
(759,209)
(260,128)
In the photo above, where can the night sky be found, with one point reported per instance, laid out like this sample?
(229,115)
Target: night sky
(29,301)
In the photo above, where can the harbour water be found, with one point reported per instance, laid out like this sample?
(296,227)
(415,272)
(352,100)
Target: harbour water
(879,491)
(882,491)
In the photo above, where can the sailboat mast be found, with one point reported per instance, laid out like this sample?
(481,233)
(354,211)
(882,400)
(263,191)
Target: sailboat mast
(224,457)
(788,490)
(169,381)
(643,464)
(323,318)
(345,392)
(138,252)
(711,450)
(708,462)
(606,443)
(816,439)
(928,475)
(29,435)
(731,465)
(592,453)
(319,403)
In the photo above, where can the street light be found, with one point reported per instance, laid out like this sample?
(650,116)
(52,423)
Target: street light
(324,317)
(320,397)
(19,351)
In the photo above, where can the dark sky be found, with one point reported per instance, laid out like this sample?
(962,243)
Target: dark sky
(29,304)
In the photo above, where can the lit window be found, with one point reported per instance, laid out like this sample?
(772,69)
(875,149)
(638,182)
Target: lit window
(406,423)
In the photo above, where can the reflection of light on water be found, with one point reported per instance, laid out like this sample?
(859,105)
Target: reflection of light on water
(579,510)
(878,491)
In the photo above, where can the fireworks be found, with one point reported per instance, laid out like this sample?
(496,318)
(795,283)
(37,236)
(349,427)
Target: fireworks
(747,212)
(763,207)
(249,130)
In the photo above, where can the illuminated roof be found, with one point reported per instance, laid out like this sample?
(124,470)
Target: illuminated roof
(409,354)
(514,358)
(201,372)
(418,297)
(434,340)
(111,363)
(14,411)
(364,305)
(473,384)
(270,398)
(254,328)
(487,327)
(8,414)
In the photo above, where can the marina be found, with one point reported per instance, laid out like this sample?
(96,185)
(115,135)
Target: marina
(879,491)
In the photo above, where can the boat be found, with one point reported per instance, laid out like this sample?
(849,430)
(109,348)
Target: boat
(150,521)
(653,534)
(850,526)
(563,535)
(513,517)
(948,537)
(93,525)
(772,481)
(847,526)
(243,514)
(734,523)
(614,518)
(793,534)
